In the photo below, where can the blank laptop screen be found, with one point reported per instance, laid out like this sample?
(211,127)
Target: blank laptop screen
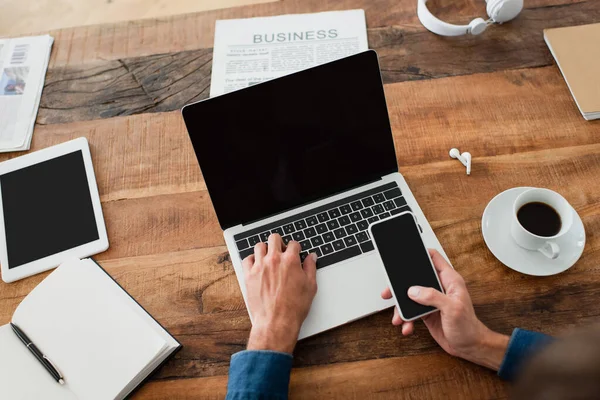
(283,143)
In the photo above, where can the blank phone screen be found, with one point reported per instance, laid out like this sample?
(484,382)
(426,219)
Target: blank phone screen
(406,261)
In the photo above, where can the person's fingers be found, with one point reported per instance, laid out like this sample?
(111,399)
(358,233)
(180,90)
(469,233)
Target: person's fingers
(396,319)
(448,275)
(275,243)
(408,328)
(310,266)
(260,251)
(247,264)
(386,294)
(428,297)
(439,262)
(294,248)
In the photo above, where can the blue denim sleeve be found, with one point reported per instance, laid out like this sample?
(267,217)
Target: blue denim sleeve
(259,375)
(522,345)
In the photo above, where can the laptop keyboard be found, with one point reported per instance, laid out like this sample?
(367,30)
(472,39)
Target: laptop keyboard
(335,231)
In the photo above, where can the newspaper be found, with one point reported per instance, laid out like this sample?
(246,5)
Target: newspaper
(23,65)
(250,51)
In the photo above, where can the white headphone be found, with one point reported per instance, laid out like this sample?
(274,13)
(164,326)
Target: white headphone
(499,11)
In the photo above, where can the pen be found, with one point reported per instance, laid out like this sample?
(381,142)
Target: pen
(45,361)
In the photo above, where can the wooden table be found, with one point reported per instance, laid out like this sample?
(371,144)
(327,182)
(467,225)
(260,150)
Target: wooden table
(499,96)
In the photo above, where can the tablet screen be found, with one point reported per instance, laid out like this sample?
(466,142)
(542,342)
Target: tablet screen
(47,209)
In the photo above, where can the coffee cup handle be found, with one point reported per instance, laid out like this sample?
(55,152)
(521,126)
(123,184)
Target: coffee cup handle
(550,250)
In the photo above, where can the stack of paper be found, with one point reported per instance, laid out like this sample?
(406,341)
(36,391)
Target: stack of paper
(23,65)
(577,53)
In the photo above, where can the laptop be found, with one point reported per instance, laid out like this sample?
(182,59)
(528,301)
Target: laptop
(309,156)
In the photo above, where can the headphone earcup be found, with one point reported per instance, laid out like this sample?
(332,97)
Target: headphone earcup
(501,11)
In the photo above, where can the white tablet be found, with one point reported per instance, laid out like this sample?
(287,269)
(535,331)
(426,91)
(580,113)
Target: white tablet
(49,210)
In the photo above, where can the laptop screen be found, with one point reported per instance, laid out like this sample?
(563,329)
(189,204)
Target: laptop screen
(283,143)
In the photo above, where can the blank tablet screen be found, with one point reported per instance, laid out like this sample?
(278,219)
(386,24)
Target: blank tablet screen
(47,209)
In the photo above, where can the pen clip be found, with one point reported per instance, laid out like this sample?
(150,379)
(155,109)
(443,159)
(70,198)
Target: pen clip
(54,366)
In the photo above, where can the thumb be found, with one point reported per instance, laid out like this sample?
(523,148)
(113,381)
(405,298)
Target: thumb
(310,266)
(427,296)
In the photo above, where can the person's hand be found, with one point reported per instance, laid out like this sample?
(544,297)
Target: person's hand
(280,293)
(455,327)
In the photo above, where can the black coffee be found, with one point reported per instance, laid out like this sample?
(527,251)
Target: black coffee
(539,219)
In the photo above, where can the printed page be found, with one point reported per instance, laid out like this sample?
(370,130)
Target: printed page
(22,377)
(23,65)
(94,338)
(250,51)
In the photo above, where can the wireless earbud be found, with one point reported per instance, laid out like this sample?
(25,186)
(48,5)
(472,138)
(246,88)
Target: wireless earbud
(464,158)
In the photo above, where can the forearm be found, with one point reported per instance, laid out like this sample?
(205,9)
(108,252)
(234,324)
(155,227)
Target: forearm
(490,351)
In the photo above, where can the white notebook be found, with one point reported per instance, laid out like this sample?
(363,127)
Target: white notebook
(100,339)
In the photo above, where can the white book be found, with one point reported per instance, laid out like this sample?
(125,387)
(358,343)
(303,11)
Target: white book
(100,339)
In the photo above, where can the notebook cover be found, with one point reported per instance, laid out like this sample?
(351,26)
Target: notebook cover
(166,359)
(577,54)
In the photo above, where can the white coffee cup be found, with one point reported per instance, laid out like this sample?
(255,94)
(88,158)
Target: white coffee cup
(544,244)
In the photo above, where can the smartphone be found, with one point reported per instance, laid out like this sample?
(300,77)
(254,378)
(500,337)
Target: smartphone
(406,261)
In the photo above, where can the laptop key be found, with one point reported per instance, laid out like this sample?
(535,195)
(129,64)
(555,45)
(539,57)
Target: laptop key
(357,205)
(355,216)
(339,245)
(278,231)
(289,228)
(366,213)
(322,217)
(400,202)
(339,233)
(310,232)
(362,225)
(384,215)
(351,229)
(333,224)
(390,194)
(317,241)
(389,205)
(265,236)
(379,198)
(334,213)
(253,240)
(378,209)
(328,237)
(345,220)
(368,201)
(242,244)
(312,221)
(246,253)
(362,237)
(303,255)
(317,251)
(287,239)
(349,241)
(346,209)
(300,224)
(305,244)
(367,246)
(327,249)
(374,218)
(298,236)
(321,228)
(338,256)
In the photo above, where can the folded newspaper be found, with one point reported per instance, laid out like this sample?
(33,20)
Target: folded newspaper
(254,50)
(23,65)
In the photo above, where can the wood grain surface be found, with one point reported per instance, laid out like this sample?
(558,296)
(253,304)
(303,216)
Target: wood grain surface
(499,96)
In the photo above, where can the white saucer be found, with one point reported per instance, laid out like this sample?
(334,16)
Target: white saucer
(495,225)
